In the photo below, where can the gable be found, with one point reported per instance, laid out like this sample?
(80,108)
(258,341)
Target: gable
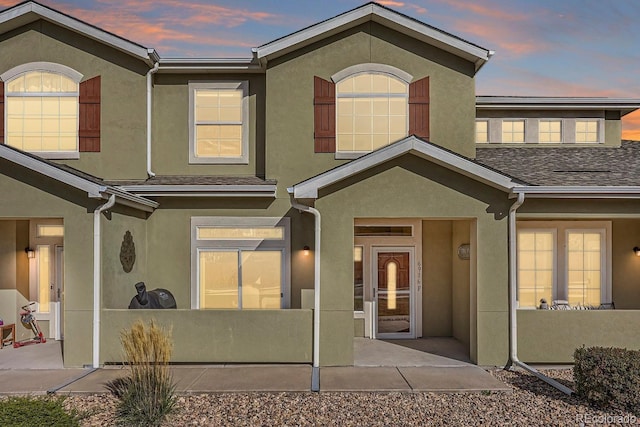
(311,188)
(30,12)
(375,13)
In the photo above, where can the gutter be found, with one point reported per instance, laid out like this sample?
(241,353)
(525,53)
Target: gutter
(97,242)
(315,373)
(149,87)
(513,328)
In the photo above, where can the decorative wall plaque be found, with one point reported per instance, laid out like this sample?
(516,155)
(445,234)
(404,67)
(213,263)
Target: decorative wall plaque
(127,252)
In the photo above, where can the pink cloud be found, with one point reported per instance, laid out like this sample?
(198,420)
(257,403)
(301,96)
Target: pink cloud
(391,3)
(496,12)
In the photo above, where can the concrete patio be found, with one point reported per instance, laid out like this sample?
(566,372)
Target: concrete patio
(378,366)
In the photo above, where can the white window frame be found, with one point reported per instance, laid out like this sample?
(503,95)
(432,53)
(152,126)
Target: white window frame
(554,286)
(524,130)
(214,85)
(547,132)
(563,228)
(486,121)
(599,130)
(283,245)
(49,67)
(368,68)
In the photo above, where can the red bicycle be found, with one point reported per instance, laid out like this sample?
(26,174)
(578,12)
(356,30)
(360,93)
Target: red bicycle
(29,320)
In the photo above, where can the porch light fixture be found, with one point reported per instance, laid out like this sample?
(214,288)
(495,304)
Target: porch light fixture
(636,250)
(306,250)
(30,252)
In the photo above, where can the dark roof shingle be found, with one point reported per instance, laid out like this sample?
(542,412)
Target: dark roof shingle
(567,166)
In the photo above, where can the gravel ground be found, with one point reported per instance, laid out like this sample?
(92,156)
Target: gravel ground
(532,402)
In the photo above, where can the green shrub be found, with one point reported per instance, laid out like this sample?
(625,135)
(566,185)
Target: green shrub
(36,411)
(147,394)
(608,377)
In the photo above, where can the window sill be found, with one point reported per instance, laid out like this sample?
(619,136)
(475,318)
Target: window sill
(346,155)
(53,155)
(219,161)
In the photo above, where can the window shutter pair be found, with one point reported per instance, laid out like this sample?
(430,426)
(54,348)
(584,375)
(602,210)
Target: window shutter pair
(324,110)
(89,115)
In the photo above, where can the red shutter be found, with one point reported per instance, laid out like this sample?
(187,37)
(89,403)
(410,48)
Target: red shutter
(89,111)
(419,108)
(324,111)
(1,112)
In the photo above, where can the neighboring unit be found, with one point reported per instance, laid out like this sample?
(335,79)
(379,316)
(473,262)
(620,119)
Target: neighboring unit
(343,181)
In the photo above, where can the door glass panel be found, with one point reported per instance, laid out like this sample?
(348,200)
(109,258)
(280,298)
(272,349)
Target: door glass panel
(358,279)
(44,277)
(218,279)
(584,268)
(261,279)
(394,293)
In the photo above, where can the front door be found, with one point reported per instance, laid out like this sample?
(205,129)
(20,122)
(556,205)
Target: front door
(394,292)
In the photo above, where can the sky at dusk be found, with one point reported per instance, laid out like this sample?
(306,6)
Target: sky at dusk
(543,47)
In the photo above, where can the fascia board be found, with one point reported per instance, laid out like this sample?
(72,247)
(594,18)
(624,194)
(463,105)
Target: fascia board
(487,103)
(132,200)
(431,35)
(202,190)
(204,65)
(74,25)
(377,14)
(309,189)
(579,192)
(313,33)
(93,189)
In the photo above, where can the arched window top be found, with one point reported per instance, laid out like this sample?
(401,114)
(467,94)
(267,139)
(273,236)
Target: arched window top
(41,77)
(371,83)
(372,68)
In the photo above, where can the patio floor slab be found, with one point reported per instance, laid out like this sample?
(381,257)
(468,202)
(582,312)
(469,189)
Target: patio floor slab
(353,378)
(35,381)
(451,380)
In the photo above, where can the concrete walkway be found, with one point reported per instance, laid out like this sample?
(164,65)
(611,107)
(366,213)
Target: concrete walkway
(379,366)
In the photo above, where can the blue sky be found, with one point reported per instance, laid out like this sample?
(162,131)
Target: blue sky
(543,47)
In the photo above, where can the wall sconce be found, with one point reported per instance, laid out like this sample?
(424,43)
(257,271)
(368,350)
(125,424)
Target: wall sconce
(30,252)
(306,250)
(636,250)
(464,251)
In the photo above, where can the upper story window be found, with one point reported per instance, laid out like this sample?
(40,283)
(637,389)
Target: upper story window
(368,106)
(482,131)
(218,130)
(587,131)
(371,111)
(513,131)
(41,101)
(534,130)
(550,131)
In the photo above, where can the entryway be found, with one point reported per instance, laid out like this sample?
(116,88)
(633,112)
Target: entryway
(413,278)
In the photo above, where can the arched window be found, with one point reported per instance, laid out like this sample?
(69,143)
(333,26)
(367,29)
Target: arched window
(371,111)
(41,101)
(368,106)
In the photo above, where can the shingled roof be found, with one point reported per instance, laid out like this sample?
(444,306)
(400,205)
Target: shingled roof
(567,166)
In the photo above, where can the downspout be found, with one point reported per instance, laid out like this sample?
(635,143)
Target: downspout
(149,90)
(97,246)
(315,373)
(513,328)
